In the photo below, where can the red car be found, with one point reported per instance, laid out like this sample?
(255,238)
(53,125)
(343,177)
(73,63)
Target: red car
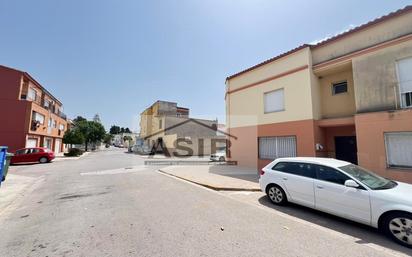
(35,154)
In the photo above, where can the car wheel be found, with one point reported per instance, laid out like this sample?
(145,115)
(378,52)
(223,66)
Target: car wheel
(398,226)
(43,160)
(276,195)
(221,159)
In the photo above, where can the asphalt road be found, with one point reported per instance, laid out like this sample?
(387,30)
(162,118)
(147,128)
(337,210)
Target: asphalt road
(109,204)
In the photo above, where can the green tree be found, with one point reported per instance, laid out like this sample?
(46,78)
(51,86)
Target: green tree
(127,130)
(92,131)
(73,137)
(78,119)
(114,130)
(108,138)
(121,130)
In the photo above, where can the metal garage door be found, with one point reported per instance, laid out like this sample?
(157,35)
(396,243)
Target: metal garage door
(31,142)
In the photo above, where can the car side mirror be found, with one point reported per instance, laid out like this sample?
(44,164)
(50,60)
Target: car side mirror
(351,183)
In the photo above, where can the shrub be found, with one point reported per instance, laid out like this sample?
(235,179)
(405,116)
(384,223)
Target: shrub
(74,152)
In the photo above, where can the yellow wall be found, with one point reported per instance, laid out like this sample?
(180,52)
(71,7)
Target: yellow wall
(382,32)
(246,107)
(279,66)
(340,105)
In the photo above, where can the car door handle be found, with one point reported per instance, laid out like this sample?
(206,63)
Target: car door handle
(285,178)
(320,187)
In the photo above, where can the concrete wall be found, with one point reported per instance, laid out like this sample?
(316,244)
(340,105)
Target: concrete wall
(375,78)
(370,129)
(376,34)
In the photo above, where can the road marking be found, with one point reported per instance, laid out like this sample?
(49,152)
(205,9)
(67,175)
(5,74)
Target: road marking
(298,220)
(114,171)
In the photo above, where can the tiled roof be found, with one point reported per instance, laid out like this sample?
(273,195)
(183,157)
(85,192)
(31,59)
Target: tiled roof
(331,39)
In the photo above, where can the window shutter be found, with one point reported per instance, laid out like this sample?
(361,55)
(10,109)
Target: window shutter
(405,75)
(277,147)
(399,149)
(274,101)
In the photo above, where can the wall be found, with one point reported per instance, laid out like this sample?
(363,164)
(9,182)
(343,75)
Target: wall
(339,105)
(13,123)
(190,128)
(375,78)
(378,33)
(246,107)
(370,128)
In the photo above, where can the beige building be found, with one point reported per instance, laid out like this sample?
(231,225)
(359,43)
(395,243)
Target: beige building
(348,97)
(166,124)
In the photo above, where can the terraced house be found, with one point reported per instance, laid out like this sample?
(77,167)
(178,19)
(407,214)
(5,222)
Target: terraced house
(347,97)
(31,115)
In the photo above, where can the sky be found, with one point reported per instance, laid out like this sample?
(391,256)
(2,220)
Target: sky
(117,57)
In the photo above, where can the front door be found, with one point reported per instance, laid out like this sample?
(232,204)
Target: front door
(48,143)
(57,146)
(346,149)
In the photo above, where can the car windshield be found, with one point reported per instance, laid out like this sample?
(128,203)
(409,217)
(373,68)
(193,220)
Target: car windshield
(368,178)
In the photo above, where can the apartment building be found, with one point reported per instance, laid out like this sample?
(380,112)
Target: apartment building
(165,123)
(347,97)
(31,115)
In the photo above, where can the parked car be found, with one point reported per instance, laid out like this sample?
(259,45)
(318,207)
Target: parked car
(342,189)
(219,156)
(35,154)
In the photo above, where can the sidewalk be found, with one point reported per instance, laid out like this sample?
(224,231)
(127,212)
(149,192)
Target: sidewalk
(61,157)
(13,188)
(217,177)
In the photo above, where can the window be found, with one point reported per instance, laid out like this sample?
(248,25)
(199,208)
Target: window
(296,168)
(38,117)
(330,175)
(274,101)
(405,81)
(277,147)
(61,127)
(368,178)
(46,104)
(160,124)
(339,88)
(54,124)
(49,124)
(399,149)
(32,94)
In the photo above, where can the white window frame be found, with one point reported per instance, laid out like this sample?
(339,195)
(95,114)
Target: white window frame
(35,114)
(283,99)
(388,164)
(401,104)
(29,97)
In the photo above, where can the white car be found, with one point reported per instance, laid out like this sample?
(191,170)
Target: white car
(219,156)
(342,189)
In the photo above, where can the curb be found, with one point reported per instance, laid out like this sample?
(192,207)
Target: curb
(65,158)
(210,186)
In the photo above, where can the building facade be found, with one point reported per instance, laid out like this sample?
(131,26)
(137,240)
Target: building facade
(166,124)
(348,97)
(31,116)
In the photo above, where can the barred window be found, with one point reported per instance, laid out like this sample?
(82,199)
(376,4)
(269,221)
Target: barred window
(277,147)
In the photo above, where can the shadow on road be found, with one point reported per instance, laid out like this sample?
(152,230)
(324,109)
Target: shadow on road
(365,233)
